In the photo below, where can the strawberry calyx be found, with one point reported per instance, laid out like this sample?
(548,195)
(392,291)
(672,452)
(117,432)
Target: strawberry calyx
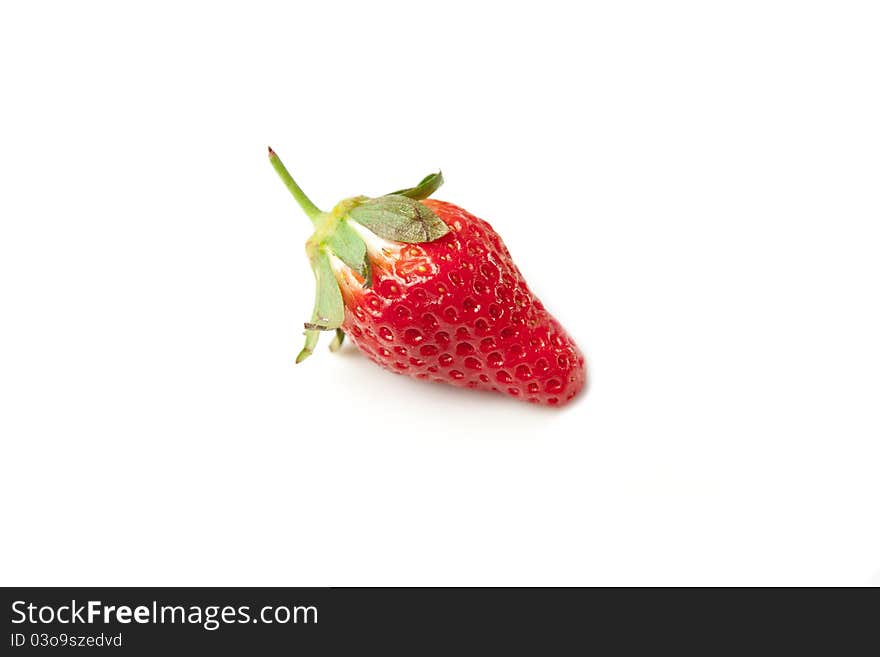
(428,185)
(343,237)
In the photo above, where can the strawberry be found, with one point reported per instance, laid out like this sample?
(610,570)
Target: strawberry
(426,289)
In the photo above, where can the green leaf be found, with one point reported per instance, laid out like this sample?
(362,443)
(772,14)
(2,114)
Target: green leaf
(329,310)
(424,189)
(368,273)
(311,341)
(348,246)
(338,339)
(400,219)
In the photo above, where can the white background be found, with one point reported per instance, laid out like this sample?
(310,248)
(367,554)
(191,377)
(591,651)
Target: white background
(692,188)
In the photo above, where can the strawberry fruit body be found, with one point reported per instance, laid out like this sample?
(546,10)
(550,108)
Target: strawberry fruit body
(425,289)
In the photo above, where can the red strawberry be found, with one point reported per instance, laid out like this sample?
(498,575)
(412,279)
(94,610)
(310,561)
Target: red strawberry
(426,289)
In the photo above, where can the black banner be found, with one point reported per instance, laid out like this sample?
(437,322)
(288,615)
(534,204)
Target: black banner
(315,621)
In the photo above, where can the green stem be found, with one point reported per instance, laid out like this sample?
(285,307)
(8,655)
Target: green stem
(304,202)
